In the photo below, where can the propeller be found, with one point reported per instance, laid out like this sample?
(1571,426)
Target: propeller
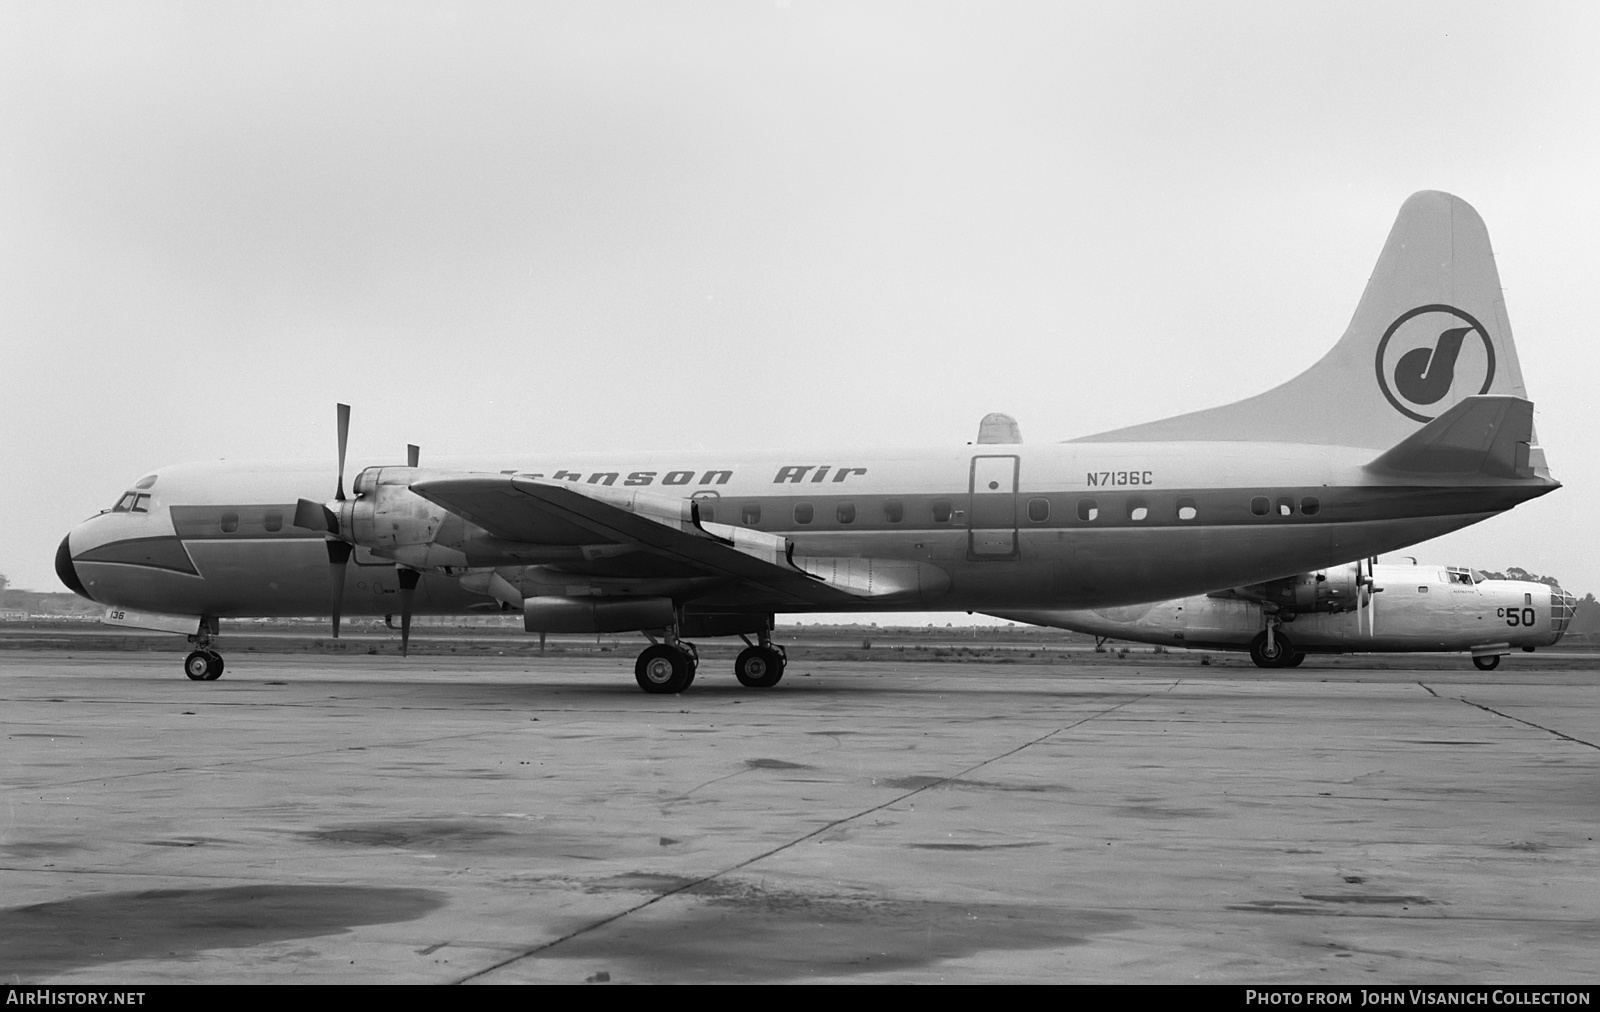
(408,593)
(316,516)
(1367,582)
(343,411)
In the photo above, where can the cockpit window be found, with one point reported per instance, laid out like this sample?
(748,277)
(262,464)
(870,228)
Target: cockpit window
(132,502)
(1477,576)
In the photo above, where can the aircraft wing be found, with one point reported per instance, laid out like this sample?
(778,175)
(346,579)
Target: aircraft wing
(519,509)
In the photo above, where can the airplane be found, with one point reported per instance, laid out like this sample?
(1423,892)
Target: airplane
(1426,608)
(1416,423)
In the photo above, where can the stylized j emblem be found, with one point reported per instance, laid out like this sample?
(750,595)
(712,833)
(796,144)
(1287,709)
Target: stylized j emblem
(1424,375)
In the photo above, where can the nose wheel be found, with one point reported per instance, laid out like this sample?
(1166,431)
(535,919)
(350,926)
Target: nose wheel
(203,666)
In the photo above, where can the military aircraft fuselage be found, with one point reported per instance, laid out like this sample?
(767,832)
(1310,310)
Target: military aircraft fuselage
(1414,608)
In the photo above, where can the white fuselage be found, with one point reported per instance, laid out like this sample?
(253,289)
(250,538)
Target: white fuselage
(991,527)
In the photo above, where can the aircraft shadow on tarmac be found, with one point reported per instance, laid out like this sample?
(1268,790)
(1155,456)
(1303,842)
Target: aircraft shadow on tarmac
(43,939)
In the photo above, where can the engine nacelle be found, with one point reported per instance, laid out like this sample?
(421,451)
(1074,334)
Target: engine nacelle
(1326,590)
(386,514)
(596,614)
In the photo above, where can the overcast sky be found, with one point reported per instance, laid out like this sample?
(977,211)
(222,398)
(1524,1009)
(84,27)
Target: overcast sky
(513,227)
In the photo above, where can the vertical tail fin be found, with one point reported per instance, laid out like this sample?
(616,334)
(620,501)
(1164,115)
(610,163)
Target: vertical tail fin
(1430,330)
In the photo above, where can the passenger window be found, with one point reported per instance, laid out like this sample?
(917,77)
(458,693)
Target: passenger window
(803,513)
(1187,509)
(1310,506)
(1422,590)
(941,511)
(1260,506)
(1138,509)
(1527,598)
(750,514)
(894,511)
(230,523)
(274,521)
(1285,507)
(1038,510)
(847,513)
(1088,510)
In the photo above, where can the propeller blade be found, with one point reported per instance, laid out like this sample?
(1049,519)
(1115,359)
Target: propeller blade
(314,516)
(338,559)
(413,454)
(408,593)
(344,440)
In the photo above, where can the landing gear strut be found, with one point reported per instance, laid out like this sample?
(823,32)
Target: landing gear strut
(760,666)
(1272,649)
(204,664)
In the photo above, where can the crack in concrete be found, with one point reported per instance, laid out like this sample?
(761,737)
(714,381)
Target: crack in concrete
(1529,723)
(703,880)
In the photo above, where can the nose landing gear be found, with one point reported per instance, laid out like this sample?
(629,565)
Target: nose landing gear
(204,664)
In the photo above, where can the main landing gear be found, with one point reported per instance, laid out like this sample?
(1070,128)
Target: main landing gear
(204,664)
(668,665)
(760,666)
(1272,649)
(1488,663)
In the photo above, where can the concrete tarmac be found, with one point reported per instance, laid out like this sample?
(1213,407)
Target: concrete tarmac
(502,820)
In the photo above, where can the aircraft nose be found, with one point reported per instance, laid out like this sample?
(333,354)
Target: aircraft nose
(67,571)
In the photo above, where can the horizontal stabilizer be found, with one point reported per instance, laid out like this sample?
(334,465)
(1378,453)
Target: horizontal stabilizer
(1488,435)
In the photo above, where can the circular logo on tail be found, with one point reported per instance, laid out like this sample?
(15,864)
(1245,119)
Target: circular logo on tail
(1427,353)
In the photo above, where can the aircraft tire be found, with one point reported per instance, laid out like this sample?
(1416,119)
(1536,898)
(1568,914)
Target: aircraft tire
(758,667)
(662,669)
(1295,659)
(197,666)
(1486,663)
(1282,651)
(214,668)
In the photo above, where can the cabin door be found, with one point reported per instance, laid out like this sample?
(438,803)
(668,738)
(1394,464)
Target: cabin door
(992,508)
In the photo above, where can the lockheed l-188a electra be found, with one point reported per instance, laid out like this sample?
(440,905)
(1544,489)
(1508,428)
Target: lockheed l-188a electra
(1415,424)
